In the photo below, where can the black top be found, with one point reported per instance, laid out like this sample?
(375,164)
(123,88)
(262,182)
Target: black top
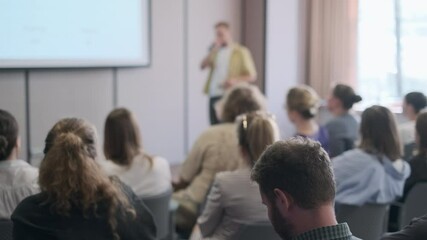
(416,230)
(418,173)
(33,221)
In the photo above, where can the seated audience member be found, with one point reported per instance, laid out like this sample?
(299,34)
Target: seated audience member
(296,182)
(146,175)
(413,103)
(18,179)
(343,129)
(416,230)
(373,172)
(215,150)
(77,199)
(234,199)
(418,163)
(302,104)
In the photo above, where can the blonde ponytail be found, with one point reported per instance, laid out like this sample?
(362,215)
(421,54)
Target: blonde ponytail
(256,132)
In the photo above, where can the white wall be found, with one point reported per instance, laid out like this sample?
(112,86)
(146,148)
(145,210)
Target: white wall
(159,95)
(156,94)
(55,94)
(12,98)
(202,16)
(282,57)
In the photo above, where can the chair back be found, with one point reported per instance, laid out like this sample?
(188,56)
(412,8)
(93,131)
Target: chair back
(6,227)
(257,231)
(159,207)
(366,222)
(415,204)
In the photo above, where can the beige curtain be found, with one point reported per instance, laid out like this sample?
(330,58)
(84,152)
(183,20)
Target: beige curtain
(331,43)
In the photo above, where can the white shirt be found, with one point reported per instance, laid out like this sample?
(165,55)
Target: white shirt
(145,180)
(220,73)
(18,180)
(407,132)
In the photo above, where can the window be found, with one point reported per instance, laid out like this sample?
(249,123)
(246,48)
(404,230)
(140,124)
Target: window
(392,50)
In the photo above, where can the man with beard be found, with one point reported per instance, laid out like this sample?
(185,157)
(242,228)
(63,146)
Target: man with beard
(297,185)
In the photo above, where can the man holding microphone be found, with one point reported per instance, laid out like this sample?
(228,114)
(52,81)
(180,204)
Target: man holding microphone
(229,63)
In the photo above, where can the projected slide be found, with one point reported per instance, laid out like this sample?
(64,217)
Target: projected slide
(76,33)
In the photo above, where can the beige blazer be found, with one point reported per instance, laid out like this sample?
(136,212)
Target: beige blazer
(233,200)
(216,150)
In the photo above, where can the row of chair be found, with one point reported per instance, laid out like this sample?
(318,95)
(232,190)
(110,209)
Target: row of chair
(370,221)
(366,222)
(163,210)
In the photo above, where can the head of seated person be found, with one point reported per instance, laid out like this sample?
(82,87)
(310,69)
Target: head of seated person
(70,152)
(18,178)
(302,104)
(241,98)
(378,132)
(342,99)
(122,141)
(147,175)
(75,190)
(296,183)
(413,103)
(10,143)
(256,131)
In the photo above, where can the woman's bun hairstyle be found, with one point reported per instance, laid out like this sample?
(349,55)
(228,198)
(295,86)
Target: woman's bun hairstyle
(346,95)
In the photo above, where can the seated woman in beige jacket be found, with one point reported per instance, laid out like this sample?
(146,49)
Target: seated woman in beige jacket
(215,150)
(234,199)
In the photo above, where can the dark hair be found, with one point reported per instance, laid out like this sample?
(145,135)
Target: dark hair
(346,95)
(256,132)
(222,24)
(122,140)
(242,98)
(8,134)
(299,167)
(379,133)
(417,100)
(421,127)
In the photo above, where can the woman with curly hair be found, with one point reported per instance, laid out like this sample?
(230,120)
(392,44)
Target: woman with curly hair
(77,199)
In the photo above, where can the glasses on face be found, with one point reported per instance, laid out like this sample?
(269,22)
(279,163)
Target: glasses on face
(243,119)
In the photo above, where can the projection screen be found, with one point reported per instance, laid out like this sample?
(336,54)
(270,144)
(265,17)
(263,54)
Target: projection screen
(77,33)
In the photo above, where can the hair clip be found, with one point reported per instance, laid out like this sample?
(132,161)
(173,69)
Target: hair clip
(245,122)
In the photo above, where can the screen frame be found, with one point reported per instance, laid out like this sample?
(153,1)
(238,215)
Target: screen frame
(86,63)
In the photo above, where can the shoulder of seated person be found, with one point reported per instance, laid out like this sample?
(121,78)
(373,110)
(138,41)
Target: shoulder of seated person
(160,163)
(220,127)
(218,130)
(353,154)
(227,175)
(29,204)
(334,123)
